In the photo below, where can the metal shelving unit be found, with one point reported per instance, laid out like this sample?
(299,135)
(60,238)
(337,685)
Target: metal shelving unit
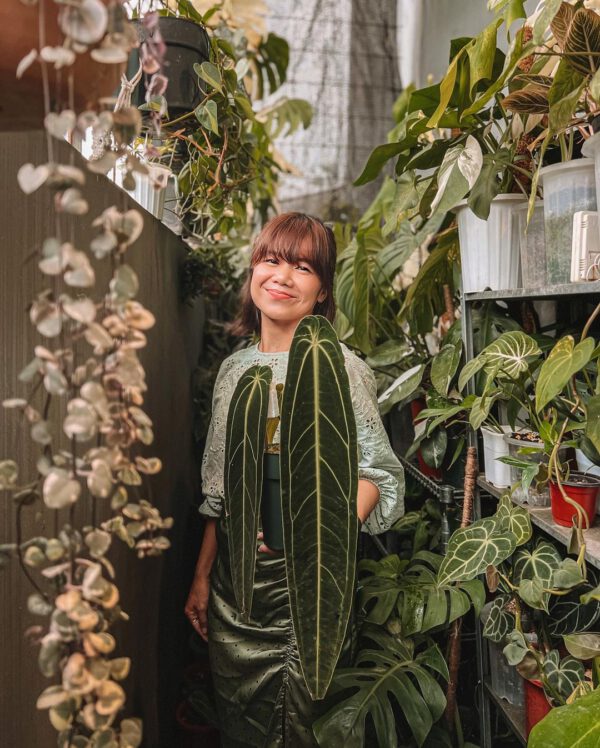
(541,518)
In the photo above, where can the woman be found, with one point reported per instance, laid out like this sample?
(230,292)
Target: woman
(261,696)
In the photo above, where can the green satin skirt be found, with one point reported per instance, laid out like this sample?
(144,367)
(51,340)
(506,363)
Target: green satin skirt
(261,697)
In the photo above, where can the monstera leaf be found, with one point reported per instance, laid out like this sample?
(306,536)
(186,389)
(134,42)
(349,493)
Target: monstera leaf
(385,679)
(244,450)
(411,593)
(319,482)
(573,726)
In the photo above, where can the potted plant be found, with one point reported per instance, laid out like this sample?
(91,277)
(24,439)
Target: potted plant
(554,98)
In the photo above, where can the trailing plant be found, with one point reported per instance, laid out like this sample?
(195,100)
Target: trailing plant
(87,374)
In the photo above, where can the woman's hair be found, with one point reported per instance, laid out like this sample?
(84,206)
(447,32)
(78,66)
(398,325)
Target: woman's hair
(292,237)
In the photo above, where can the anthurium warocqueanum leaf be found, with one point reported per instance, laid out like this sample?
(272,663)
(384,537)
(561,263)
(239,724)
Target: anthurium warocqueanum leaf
(387,675)
(244,451)
(319,483)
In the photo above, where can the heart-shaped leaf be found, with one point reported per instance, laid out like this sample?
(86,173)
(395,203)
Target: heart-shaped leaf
(499,622)
(564,360)
(31,178)
(60,490)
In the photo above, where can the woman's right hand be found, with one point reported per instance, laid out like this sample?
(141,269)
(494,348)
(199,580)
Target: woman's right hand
(196,607)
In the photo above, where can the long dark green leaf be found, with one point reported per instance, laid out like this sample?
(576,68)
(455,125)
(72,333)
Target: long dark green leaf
(244,450)
(319,482)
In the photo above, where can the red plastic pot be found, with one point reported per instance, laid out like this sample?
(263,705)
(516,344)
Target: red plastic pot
(416,406)
(585,494)
(536,704)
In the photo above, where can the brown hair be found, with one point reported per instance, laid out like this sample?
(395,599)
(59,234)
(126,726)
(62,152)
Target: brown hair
(291,237)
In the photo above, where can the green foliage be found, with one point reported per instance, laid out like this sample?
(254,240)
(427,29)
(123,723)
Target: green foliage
(319,483)
(389,673)
(575,725)
(244,450)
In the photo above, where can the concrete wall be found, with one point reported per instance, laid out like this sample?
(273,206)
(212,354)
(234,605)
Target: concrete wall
(153,590)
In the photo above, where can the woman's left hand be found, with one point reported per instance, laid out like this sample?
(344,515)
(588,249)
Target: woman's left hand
(262,548)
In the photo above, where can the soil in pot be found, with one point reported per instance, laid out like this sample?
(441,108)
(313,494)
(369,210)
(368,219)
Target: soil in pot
(581,488)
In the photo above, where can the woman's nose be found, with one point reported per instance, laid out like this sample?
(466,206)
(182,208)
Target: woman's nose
(283,273)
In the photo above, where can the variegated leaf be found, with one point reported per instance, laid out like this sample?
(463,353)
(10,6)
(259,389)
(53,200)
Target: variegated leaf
(536,565)
(500,622)
(514,518)
(319,483)
(563,361)
(244,451)
(472,549)
(563,675)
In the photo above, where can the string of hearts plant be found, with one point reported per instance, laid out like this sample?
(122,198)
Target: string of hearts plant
(86,373)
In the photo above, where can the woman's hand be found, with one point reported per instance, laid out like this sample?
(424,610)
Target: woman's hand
(196,606)
(265,548)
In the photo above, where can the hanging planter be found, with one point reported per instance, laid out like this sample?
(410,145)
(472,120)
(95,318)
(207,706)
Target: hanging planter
(568,187)
(532,240)
(580,488)
(187,45)
(494,446)
(490,250)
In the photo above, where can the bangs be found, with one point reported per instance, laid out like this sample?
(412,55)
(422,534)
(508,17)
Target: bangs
(291,243)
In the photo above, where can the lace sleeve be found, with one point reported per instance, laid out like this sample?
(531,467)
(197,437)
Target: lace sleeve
(214,451)
(377,461)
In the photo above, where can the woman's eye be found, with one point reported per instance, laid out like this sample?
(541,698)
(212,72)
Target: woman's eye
(271,260)
(304,267)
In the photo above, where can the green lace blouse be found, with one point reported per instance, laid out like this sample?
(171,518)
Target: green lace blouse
(377,461)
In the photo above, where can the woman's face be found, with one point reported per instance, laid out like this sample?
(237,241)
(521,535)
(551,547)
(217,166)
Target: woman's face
(285,291)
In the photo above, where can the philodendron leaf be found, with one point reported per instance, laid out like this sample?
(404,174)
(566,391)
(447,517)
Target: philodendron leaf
(564,360)
(516,649)
(568,575)
(582,41)
(433,448)
(319,483)
(582,646)
(244,450)
(472,549)
(515,519)
(592,429)
(444,366)
(457,174)
(536,565)
(573,726)
(500,622)
(573,613)
(402,387)
(506,358)
(563,675)
(481,407)
(387,677)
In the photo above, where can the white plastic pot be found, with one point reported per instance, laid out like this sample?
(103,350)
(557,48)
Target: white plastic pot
(586,466)
(591,149)
(490,250)
(568,187)
(532,246)
(532,496)
(150,189)
(494,446)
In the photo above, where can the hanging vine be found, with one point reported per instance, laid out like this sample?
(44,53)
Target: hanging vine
(85,374)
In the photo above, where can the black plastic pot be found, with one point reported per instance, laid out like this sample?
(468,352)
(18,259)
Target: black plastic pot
(270,507)
(187,43)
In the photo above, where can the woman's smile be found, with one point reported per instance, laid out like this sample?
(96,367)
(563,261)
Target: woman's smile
(277,293)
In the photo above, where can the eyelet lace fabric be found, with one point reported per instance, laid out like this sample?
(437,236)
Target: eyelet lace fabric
(377,462)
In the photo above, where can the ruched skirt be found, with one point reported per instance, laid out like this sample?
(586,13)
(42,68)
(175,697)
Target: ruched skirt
(262,700)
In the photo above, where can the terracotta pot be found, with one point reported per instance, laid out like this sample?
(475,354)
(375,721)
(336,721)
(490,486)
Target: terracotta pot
(21,104)
(584,492)
(536,704)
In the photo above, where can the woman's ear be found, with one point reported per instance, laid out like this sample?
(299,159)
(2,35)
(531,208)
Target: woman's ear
(322,296)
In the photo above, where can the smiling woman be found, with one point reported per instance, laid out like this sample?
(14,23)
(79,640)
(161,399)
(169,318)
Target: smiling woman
(262,659)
